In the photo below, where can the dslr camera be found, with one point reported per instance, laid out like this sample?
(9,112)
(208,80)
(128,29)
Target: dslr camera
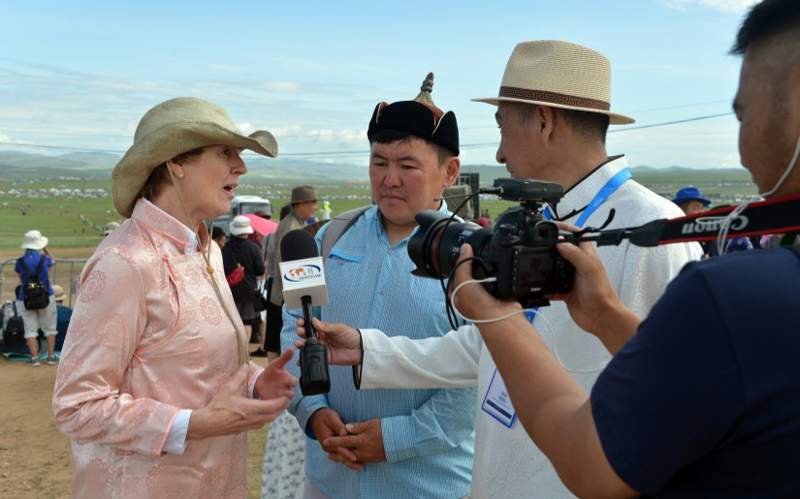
(519,253)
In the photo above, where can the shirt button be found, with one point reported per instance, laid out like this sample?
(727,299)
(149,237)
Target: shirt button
(381,292)
(391,251)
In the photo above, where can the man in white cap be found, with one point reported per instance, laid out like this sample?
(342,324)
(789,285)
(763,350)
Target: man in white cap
(34,295)
(553,111)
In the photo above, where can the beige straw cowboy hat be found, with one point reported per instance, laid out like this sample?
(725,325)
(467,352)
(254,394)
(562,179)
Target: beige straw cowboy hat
(172,128)
(558,74)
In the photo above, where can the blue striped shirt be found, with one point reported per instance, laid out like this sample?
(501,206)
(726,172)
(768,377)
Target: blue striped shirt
(428,435)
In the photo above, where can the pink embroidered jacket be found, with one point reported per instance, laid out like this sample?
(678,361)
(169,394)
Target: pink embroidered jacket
(148,337)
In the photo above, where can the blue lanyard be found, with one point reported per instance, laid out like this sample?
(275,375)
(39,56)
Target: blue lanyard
(602,195)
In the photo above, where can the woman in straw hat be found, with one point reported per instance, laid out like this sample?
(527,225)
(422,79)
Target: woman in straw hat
(154,387)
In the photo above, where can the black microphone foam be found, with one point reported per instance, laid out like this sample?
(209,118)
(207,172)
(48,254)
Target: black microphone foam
(297,245)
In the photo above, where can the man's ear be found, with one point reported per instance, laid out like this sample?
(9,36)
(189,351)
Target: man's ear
(452,168)
(545,121)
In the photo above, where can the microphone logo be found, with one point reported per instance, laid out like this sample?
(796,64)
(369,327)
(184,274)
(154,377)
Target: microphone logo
(303,273)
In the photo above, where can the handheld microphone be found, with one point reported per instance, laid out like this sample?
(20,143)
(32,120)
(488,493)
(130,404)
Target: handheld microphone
(303,281)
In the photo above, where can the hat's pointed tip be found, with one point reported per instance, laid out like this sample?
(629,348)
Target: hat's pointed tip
(425,90)
(427,83)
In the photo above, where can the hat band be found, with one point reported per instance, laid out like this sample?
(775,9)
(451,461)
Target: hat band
(554,98)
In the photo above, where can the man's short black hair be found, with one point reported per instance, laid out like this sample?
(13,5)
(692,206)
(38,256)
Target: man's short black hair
(590,125)
(765,20)
(389,136)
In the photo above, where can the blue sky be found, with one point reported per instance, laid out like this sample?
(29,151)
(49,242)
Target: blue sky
(81,73)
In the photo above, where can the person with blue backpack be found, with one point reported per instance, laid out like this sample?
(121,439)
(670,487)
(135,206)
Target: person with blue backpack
(34,302)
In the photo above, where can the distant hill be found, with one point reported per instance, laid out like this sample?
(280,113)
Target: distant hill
(648,174)
(487,172)
(26,166)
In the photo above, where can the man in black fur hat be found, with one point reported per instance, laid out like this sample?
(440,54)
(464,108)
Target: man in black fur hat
(405,443)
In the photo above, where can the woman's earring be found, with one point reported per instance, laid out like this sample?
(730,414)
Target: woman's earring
(180,176)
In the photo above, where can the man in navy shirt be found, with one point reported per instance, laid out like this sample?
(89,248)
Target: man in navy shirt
(36,263)
(700,398)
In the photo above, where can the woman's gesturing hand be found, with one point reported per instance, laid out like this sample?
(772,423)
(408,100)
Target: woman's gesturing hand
(275,381)
(231,412)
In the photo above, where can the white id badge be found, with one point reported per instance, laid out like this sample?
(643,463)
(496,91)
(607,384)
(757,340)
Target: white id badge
(497,403)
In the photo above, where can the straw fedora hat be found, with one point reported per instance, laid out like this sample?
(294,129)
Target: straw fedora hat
(172,128)
(33,239)
(58,293)
(558,74)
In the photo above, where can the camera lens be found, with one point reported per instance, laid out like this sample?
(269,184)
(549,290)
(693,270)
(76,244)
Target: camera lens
(435,247)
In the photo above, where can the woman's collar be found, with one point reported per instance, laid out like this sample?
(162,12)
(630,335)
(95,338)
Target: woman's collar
(167,225)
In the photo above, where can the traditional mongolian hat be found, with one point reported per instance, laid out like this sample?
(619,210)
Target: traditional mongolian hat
(419,117)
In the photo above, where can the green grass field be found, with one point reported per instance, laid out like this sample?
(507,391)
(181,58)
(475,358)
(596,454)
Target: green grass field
(78,222)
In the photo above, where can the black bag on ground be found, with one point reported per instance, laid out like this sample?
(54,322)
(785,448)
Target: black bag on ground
(13,333)
(35,292)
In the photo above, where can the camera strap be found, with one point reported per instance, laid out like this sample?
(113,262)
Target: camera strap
(773,216)
(602,195)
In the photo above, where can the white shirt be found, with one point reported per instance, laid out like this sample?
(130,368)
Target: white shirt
(507,463)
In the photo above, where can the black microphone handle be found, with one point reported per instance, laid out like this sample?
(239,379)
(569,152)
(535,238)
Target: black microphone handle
(310,331)
(314,376)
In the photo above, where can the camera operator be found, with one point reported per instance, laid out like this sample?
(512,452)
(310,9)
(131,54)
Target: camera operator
(547,136)
(702,399)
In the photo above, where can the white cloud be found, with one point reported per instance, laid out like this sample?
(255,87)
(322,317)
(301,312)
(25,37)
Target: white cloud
(4,137)
(350,136)
(729,6)
(286,131)
(290,87)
